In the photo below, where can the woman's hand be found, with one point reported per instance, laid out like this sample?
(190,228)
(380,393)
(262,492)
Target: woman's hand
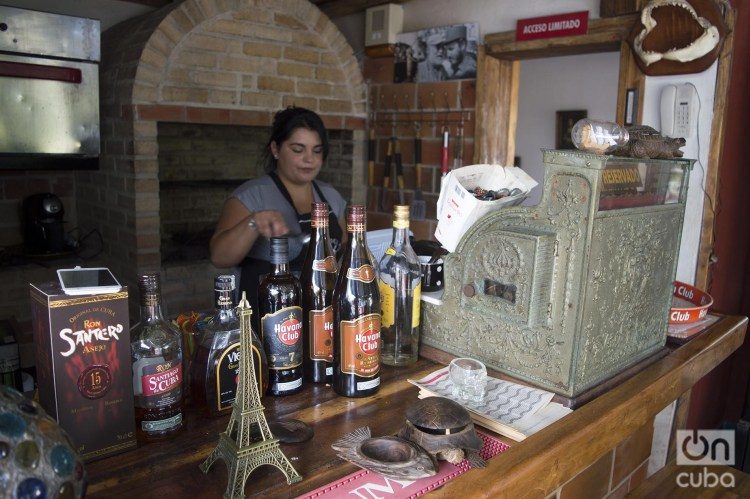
(238,229)
(270,223)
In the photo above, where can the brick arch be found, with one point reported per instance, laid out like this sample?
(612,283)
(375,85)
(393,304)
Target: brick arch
(252,56)
(204,61)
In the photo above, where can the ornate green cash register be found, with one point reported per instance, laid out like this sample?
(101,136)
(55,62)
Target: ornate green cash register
(571,292)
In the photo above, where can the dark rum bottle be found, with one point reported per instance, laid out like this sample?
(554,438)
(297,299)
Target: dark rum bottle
(356,315)
(156,353)
(216,367)
(318,280)
(279,306)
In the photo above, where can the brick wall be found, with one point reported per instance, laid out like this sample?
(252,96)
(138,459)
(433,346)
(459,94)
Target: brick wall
(15,186)
(614,474)
(200,165)
(15,273)
(433,106)
(220,62)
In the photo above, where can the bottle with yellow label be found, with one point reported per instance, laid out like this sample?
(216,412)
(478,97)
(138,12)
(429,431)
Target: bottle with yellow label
(400,291)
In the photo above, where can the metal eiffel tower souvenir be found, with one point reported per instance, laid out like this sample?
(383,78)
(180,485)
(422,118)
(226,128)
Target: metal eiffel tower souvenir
(247,442)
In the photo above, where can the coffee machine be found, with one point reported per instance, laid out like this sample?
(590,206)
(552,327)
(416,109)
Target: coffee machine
(43,225)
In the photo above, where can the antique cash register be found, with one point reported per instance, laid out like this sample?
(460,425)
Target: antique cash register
(571,292)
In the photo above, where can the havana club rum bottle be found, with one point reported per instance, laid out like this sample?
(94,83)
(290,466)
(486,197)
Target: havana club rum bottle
(400,290)
(356,315)
(279,306)
(318,280)
(156,352)
(216,366)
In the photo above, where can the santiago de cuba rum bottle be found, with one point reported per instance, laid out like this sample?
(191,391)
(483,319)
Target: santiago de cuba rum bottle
(279,306)
(216,368)
(356,315)
(318,280)
(400,286)
(156,353)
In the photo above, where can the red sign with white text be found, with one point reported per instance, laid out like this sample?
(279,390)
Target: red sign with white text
(571,24)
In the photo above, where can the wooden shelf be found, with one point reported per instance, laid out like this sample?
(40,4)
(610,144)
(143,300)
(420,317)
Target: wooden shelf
(604,35)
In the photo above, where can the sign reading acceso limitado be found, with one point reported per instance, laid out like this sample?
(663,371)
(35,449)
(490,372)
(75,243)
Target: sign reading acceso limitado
(570,24)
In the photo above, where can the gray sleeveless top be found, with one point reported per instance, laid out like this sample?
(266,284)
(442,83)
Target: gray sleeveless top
(262,194)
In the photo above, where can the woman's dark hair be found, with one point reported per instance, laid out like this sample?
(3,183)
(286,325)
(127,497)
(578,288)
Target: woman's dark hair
(286,121)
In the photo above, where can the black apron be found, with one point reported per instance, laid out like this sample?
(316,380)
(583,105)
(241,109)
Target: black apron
(252,270)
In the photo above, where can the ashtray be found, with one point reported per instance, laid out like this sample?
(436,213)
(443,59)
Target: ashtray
(689,304)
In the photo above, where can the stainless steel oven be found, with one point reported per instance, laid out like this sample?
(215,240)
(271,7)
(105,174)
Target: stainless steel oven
(49,90)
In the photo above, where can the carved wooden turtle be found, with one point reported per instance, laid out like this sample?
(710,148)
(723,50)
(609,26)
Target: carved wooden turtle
(444,429)
(646,142)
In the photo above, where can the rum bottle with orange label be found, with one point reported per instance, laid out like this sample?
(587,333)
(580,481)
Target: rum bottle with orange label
(279,306)
(318,280)
(356,315)
(156,352)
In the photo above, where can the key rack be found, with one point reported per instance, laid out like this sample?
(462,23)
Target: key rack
(393,115)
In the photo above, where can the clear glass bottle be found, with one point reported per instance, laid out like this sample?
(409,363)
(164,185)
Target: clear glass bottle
(156,353)
(216,367)
(318,280)
(356,314)
(400,284)
(598,136)
(279,306)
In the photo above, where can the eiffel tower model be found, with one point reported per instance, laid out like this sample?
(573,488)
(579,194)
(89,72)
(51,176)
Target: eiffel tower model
(240,451)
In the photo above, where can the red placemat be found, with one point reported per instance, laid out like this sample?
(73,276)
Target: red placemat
(364,483)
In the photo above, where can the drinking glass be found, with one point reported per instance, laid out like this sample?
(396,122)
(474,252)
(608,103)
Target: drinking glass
(469,377)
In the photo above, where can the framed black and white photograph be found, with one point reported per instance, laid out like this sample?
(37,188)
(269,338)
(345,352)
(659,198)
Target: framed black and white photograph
(564,125)
(437,54)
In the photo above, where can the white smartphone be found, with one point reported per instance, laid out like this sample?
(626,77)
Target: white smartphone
(87,281)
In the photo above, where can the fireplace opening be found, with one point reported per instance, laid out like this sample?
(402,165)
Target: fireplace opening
(199,167)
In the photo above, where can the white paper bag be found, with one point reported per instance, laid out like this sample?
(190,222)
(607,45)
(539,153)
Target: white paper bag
(458,209)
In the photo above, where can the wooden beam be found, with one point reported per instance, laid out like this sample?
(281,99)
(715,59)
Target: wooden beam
(497,110)
(604,35)
(157,4)
(340,8)
(723,76)
(631,78)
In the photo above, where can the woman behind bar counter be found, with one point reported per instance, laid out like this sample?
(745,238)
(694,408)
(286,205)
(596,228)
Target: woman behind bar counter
(278,203)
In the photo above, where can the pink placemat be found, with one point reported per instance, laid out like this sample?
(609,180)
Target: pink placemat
(370,484)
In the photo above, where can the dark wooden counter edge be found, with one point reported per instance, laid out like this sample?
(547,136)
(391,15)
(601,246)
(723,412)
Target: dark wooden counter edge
(548,459)
(535,467)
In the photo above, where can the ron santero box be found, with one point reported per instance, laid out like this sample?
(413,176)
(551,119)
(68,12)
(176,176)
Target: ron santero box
(82,346)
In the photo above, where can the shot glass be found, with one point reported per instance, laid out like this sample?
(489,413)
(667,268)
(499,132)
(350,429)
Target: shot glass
(469,377)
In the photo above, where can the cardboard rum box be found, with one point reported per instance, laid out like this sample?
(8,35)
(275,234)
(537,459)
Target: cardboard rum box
(82,346)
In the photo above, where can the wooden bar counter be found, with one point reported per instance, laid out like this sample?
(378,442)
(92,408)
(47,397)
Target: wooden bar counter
(536,467)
